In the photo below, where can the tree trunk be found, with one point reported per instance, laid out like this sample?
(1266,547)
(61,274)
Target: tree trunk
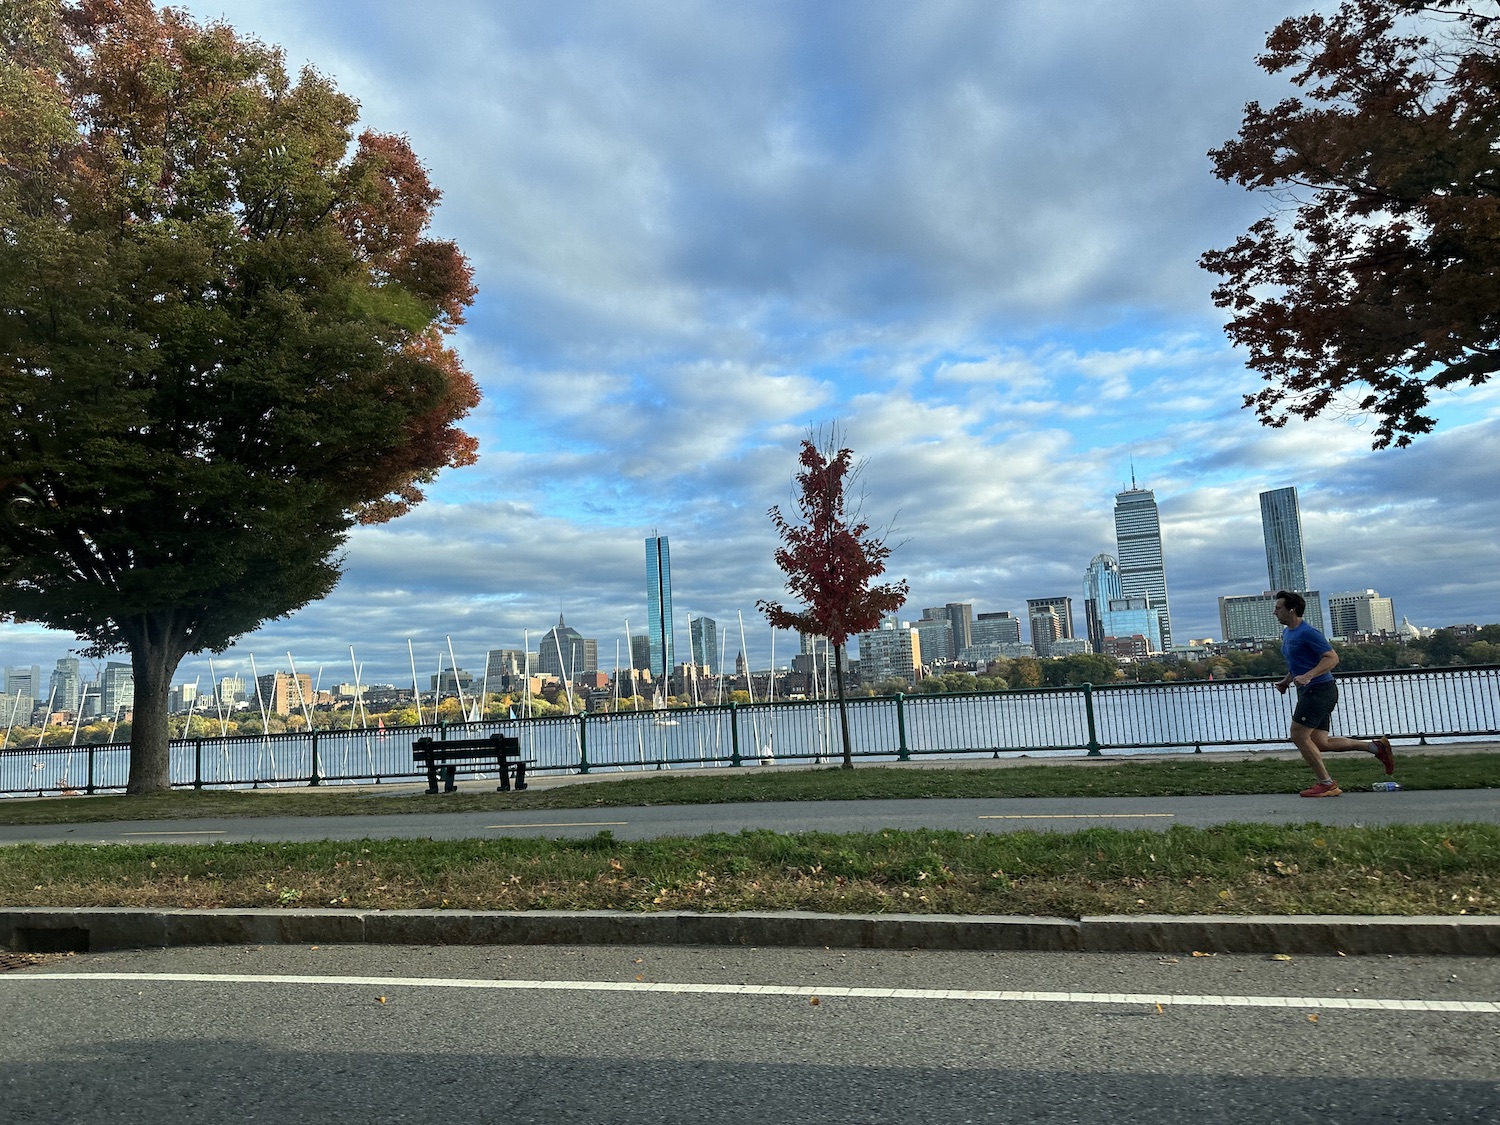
(838,667)
(155,653)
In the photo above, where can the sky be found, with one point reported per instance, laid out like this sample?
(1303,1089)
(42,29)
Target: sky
(966,233)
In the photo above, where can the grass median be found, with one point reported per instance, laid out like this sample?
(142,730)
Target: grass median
(1235,869)
(1189,776)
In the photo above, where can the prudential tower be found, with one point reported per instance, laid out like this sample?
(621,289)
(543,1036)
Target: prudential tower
(1142,571)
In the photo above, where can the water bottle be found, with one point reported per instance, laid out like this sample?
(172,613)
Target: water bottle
(1386,787)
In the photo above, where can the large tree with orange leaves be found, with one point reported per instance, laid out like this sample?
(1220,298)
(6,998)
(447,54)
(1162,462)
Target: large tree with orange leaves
(222,336)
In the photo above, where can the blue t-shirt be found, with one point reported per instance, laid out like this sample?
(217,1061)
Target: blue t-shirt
(1302,648)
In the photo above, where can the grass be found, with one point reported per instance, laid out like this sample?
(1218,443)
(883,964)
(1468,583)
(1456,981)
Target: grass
(1189,776)
(1235,869)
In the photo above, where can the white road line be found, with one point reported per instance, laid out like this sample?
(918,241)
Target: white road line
(199,832)
(567,824)
(1081,816)
(1140,999)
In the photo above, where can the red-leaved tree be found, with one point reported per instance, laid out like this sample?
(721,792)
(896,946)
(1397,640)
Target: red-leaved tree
(830,560)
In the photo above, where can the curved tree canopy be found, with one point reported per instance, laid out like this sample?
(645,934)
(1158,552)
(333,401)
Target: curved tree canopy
(1377,280)
(222,335)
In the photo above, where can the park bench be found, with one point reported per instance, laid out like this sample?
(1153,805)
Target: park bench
(497,748)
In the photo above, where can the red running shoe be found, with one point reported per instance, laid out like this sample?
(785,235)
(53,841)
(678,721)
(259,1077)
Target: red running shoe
(1329,788)
(1383,754)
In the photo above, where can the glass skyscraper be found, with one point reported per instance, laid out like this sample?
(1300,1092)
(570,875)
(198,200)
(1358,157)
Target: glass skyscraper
(1281,523)
(659,605)
(1143,572)
(703,635)
(1101,585)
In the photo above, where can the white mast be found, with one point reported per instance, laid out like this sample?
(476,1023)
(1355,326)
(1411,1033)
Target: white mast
(415,690)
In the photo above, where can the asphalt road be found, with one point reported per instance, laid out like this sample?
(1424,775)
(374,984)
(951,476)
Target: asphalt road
(558,1034)
(977,815)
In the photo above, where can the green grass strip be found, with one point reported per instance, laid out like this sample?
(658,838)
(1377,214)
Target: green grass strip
(1235,869)
(1190,776)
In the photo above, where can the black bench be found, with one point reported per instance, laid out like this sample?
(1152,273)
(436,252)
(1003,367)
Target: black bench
(497,748)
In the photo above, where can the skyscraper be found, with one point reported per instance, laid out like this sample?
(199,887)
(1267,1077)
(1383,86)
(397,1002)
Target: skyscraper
(703,635)
(1101,585)
(1281,524)
(1143,572)
(1062,606)
(961,616)
(659,605)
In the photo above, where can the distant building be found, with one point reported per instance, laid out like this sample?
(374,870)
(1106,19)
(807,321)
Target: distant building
(1143,572)
(566,653)
(23,692)
(1101,585)
(507,668)
(449,683)
(1252,617)
(1125,617)
(66,688)
(936,633)
(1046,627)
(703,637)
(1281,525)
(182,698)
(892,652)
(961,618)
(1001,628)
(659,605)
(640,652)
(1135,647)
(282,693)
(116,688)
(1360,611)
(231,691)
(1061,606)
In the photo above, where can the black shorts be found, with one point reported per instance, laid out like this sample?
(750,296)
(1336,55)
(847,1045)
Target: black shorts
(1315,704)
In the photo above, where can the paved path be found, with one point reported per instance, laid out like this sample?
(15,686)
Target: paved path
(969,815)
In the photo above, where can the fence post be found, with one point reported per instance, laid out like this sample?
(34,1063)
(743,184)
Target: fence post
(314,779)
(197,763)
(1088,707)
(583,743)
(903,752)
(734,734)
(90,787)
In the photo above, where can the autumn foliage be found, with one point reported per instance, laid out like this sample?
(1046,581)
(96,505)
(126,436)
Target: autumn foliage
(1375,281)
(223,335)
(830,560)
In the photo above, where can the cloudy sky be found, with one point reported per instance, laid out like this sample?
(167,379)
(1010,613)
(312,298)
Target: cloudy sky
(967,231)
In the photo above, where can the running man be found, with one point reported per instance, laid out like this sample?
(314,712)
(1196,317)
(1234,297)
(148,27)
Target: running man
(1310,661)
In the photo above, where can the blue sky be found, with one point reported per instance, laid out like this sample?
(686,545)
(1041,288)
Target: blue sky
(967,231)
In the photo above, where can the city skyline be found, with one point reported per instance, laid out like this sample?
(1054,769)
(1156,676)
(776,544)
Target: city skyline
(741,223)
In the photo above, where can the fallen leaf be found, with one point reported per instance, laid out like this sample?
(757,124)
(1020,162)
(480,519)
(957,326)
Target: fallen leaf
(1160,1010)
(1312,1017)
(1280,957)
(1200,953)
(814,1001)
(1167,961)
(640,976)
(381,999)
(313,948)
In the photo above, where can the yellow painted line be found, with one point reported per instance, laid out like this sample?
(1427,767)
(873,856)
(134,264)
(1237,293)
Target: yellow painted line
(1080,816)
(566,824)
(199,832)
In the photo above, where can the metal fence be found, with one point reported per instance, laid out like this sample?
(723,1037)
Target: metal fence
(1422,704)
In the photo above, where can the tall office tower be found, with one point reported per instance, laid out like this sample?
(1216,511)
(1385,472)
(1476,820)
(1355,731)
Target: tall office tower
(659,605)
(1281,524)
(891,652)
(566,653)
(1360,611)
(1143,572)
(1046,627)
(26,682)
(1101,585)
(703,635)
(1062,606)
(640,652)
(505,667)
(66,688)
(961,616)
(116,688)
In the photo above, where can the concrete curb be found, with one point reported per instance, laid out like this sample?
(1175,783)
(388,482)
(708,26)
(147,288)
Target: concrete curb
(61,929)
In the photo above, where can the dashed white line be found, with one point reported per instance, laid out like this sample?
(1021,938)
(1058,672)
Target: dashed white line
(1140,999)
